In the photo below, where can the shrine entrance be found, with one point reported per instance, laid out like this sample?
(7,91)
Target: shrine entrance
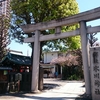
(83,31)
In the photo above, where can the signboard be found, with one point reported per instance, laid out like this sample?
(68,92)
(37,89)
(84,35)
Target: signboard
(95,72)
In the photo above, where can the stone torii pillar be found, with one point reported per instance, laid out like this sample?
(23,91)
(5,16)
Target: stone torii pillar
(35,65)
(84,44)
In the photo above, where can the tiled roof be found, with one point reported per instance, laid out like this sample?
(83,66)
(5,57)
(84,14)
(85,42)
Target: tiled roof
(16,59)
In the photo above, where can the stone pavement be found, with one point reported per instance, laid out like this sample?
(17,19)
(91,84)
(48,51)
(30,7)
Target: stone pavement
(65,90)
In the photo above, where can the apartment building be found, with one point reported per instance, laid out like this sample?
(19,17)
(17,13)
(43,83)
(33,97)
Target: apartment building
(4,7)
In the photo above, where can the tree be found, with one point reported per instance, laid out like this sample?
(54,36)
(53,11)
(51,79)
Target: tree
(92,39)
(72,58)
(71,64)
(4,26)
(34,11)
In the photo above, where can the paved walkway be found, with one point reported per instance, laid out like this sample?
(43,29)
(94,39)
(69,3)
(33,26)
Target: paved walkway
(65,90)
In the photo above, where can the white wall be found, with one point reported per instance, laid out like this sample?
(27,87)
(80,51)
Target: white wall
(49,56)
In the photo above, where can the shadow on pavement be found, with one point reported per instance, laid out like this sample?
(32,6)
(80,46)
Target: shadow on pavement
(47,86)
(31,96)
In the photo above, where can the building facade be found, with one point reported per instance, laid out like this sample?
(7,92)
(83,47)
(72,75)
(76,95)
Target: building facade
(4,26)
(4,7)
(51,70)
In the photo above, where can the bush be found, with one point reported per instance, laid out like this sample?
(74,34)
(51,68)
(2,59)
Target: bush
(72,73)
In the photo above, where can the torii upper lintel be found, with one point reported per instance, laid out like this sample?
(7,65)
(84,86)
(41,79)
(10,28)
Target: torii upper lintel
(84,16)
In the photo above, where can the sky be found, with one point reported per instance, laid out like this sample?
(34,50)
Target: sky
(83,5)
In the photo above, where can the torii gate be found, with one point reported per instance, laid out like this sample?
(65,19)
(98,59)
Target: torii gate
(80,18)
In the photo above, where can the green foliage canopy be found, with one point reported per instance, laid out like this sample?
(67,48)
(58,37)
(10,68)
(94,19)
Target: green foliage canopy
(34,11)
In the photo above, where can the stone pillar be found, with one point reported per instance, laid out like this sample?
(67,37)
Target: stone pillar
(40,83)
(35,67)
(84,44)
(61,70)
(95,72)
